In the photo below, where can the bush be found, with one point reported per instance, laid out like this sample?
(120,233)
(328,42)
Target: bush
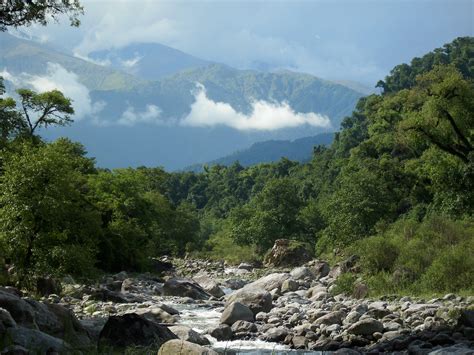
(344,284)
(376,254)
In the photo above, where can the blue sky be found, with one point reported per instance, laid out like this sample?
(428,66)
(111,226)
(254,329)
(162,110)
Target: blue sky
(345,40)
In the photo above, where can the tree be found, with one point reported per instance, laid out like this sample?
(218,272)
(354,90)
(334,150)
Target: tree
(40,110)
(46,223)
(15,13)
(440,110)
(10,118)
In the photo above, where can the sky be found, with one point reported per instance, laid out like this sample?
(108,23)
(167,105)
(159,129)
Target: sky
(357,40)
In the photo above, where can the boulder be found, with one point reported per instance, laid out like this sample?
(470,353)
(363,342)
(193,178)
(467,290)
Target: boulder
(269,282)
(222,332)
(19,309)
(36,341)
(467,318)
(128,330)
(209,285)
(331,318)
(161,266)
(301,273)
(289,286)
(235,284)
(236,311)
(184,288)
(287,252)
(360,291)
(245,266)
(46,286)
(186,333)
(255,299)
(365,327)
(243,328)
(156,314)
(276,335)
(183,347)
(319,268)
(6,320)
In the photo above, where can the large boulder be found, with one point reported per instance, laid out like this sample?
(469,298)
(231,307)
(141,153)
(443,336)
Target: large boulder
(236,311)
(183,347)
(222,332)
(22,312)
(366,326)
(186,333)
(258,300)
(184,288)
(131,329)
(156,314)
(269,282)
(287,252)
(35,341)
(209,285)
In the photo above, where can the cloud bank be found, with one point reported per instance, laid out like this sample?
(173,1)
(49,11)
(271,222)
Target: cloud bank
(264,116)
(131,117)
(57,77)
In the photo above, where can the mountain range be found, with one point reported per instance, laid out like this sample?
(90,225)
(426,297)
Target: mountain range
(300,149)
(148,104)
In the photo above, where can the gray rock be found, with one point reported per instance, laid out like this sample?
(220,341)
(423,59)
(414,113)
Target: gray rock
(186,333)
(301,273)
(209,285)
(269,282)
(185,348)
(15,350)
(453,350)
(236,311)
(299,342)
(19,309)
(129,330)
(35,341)
(245,266)
(184,288)
(222,332)
(331,318)
(289,286)
(6,320)
(156,314)
(255,299)
(319,268)
(276,335)
(467,318)
(367,326)
(243,328)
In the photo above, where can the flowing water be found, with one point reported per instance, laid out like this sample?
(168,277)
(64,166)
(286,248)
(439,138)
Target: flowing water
(201,318)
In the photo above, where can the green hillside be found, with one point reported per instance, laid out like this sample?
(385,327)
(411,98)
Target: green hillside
(23,56)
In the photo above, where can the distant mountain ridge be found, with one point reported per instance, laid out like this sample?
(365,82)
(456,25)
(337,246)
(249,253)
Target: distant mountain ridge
(148,61)
(139,121)
(270,151)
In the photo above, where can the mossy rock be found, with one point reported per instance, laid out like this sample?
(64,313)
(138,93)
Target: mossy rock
(287,252)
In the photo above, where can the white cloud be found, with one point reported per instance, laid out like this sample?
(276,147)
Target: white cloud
(130,117)
(264,116)
(130,63)
(57,77)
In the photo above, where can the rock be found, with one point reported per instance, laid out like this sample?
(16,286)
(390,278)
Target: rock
(106,295)
(467,318)
(209,285)
(243,328)
(122,275)
(183,347)
(287,253)
(367,326)
(245,266)
(46,286)
(127,285)
(256,300)
(301,273)
(269,282)
(289,285)
(276,335)
(34,339)
(156,314)
(319,268)
(360,291)
(131,329)
(330,318)
(169,309)
(299,342)
(236,311)
(161,266)
(6,320)
(19,309)
(15,350)
(235,284)
(184,288)
(186,333)
(222,332)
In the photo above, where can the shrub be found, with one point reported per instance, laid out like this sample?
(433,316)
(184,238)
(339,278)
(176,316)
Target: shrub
(376,254)
(344,284)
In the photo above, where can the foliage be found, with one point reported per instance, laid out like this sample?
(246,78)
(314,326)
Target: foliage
(46,222)
(17,13)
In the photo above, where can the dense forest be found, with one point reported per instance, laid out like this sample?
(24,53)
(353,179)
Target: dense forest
(396,188)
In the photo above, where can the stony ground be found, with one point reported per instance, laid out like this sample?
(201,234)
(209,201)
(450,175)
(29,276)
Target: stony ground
(291,306)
